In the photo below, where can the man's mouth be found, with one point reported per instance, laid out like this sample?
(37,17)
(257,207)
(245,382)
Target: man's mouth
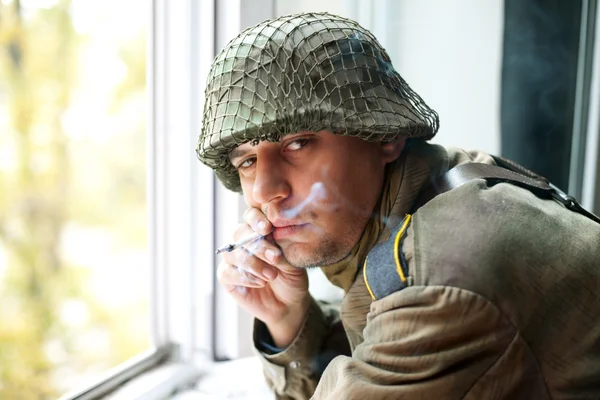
(286,228)
(286,231)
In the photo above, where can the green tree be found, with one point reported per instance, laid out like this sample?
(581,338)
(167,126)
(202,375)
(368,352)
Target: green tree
(33,215)
(38,70)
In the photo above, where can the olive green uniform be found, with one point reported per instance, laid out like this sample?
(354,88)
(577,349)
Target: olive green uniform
(503,302)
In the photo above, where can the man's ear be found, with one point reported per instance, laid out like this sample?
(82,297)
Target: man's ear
(392,150)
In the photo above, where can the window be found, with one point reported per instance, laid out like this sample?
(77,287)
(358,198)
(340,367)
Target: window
(74,271)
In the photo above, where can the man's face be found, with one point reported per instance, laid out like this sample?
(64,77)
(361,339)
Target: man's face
(317,189)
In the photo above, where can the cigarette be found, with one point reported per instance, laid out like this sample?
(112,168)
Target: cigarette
(232,246)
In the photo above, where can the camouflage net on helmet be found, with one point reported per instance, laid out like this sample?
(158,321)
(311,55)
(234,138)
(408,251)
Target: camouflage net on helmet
(305,72)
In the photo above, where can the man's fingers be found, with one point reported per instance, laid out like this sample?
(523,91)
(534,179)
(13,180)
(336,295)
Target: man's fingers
(258,221)
(261,257)
(231,276)
(270,254)
(252,261)
(243,231)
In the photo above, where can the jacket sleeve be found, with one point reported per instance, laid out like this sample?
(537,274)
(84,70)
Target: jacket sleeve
(426,342)
(295,372)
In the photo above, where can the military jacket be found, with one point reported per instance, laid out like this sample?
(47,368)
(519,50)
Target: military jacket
(500,300)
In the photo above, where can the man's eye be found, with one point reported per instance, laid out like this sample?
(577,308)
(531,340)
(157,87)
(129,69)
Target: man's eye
(297,144)
(246,163)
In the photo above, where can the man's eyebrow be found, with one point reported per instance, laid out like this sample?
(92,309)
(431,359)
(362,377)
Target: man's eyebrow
(236,153)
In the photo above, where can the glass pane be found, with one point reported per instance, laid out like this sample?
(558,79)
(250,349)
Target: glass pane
(73,262)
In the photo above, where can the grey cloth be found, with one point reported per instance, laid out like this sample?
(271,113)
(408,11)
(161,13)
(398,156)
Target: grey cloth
(385,270)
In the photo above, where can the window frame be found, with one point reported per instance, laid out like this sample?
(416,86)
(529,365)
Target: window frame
(584,132)
(590,191)
(180,49)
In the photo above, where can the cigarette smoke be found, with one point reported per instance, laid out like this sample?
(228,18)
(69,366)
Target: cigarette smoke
(317,193)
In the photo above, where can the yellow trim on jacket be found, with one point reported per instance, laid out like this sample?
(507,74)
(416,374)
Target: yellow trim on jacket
(396,243)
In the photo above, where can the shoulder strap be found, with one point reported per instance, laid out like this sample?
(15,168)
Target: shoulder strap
(505,171)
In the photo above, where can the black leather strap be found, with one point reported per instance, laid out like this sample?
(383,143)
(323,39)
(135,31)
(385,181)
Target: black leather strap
(506,171)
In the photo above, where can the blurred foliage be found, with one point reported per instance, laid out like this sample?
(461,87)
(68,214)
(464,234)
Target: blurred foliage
(47,187)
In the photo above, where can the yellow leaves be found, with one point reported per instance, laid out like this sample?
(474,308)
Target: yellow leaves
(61,175)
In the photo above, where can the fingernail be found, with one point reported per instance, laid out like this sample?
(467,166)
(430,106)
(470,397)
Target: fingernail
(270,254)
(269,273)
(262,225)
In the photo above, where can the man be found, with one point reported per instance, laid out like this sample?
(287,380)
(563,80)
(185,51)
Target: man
(483,292)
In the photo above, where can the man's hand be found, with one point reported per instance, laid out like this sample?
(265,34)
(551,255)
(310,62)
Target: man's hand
(262,281)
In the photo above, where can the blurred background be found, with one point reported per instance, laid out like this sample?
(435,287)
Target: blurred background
(108,223)
(73,234)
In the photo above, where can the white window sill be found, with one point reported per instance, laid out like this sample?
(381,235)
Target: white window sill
(232,380)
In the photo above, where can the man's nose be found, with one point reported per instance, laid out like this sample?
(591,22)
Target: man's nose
(270,181)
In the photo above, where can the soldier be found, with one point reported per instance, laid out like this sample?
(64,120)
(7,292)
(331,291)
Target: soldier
(489,290)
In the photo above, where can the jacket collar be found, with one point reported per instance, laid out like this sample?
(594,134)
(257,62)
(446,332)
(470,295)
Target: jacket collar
(419,164)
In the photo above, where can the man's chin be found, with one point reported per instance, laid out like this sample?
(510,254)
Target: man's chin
(301,255)
(298,259)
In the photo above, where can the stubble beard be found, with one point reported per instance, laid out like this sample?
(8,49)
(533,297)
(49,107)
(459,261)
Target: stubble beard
(328,251)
